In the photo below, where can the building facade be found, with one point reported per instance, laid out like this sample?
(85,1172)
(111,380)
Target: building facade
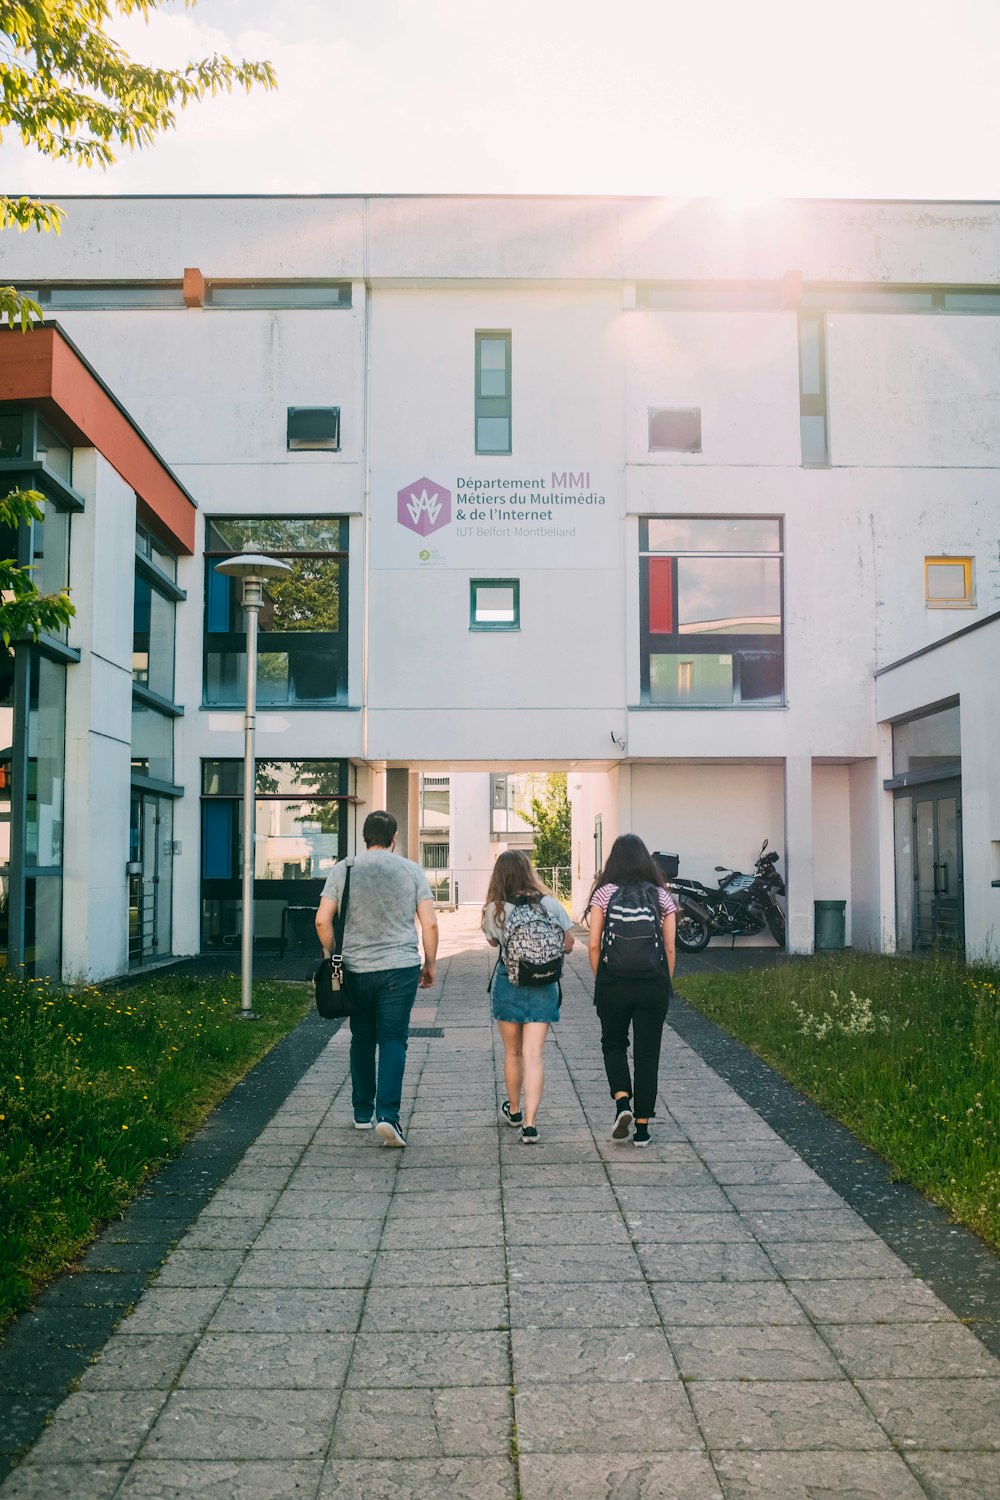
(698,506)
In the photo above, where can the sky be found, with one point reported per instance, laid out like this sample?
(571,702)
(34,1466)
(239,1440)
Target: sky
(743,99)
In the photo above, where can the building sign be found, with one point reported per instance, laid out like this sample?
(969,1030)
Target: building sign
(490,520)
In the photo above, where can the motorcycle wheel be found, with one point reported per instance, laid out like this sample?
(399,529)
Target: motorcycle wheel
(692,932)
(776,923)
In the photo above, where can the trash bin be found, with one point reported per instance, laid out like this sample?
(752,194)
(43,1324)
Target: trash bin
(831,924)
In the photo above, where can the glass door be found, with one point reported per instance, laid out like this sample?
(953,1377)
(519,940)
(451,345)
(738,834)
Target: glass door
(938,916)
(150,877)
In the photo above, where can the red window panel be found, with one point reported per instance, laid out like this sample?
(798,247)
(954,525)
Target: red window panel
(661,595)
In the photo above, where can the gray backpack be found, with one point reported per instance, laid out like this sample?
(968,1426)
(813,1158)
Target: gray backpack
(532,946)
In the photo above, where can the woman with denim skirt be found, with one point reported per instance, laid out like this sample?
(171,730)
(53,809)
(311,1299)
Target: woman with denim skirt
(522,1014)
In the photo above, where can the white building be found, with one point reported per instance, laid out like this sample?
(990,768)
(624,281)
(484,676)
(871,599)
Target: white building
(670,497)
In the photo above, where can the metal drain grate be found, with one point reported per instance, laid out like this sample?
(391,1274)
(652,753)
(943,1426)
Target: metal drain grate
(426,1031)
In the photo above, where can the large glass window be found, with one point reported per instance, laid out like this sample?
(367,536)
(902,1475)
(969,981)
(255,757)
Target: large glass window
(711,601)
(300,833)
(153,639)
(302,640)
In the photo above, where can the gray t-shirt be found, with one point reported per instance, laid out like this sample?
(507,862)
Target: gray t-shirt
(381,909)
(550,906)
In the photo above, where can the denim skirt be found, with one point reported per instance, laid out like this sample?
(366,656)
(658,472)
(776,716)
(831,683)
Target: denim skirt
(514,1003)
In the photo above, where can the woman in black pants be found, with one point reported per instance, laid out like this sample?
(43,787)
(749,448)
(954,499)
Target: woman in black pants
(636,1002)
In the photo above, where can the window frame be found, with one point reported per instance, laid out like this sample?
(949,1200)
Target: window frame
(228,888)
(494,625)
(678,411)
(281,641)
(673,643)
(493,406)
(935,601)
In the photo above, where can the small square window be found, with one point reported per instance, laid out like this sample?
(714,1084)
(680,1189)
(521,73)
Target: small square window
(495,604)
(674,429)
(314,427)
(948,583)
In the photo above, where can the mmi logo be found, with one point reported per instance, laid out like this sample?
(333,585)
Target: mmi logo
(423,506)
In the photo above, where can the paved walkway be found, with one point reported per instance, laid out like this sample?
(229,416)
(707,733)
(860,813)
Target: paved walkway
(473,1318)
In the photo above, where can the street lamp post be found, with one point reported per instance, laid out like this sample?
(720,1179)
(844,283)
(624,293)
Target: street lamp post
(253,570)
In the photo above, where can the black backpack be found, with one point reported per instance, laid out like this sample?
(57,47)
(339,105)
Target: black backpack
(632,940)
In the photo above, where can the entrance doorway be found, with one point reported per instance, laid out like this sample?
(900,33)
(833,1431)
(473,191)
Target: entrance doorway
(929,891)
(150,886)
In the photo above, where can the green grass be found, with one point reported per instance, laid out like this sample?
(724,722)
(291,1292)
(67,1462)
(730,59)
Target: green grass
(99,1088)
(905,1052)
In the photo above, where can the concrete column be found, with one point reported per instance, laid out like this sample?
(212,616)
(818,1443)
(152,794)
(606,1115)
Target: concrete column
(99,726)
(397,801)
(798,853)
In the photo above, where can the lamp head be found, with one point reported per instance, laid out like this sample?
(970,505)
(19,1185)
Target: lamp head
(252,565)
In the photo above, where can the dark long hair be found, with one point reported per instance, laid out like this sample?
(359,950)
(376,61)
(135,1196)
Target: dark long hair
(629,863)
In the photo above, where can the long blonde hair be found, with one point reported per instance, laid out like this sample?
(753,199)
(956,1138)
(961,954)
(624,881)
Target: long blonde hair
(514,877)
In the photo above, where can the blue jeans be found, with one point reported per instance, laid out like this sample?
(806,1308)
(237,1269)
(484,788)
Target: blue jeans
(380,1019)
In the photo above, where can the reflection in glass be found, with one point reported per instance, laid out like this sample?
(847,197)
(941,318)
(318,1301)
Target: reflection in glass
(729,596)
(153,639)
(50,553)
(493,434)
(46,757)
(933,740)
(11,435)
(152,743)
(43,925)
(690,680)
(54,452)
(714,534)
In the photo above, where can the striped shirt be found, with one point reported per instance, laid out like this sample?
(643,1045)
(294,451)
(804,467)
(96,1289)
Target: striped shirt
(604,893)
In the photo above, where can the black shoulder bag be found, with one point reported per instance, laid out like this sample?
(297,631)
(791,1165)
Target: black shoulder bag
(330,981)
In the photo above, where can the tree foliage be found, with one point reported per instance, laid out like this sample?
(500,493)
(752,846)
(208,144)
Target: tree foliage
(550,816)
(71,92)
(24,610)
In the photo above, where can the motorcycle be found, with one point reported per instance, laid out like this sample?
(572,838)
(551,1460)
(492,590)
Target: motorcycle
(741,906)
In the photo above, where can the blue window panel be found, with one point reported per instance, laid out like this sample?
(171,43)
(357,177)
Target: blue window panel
(217,861)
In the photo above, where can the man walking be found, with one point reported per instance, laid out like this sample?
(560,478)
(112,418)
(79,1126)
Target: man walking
(386,895)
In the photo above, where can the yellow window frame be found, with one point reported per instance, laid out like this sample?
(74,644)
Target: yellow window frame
(936,601)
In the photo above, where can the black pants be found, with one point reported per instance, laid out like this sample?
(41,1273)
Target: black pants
(641,1004)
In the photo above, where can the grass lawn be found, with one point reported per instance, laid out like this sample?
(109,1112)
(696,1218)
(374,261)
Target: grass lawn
(101,1086)
(906,1052)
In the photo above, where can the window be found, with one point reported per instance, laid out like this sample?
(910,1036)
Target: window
(302,641)
(300,833)
(315,294)
(313,427)
(929,742)
(813,416)
(154,607)
(711,601)
(674,429)
(493,406)
(435,822)
(110,295)
(495,604)
(948,583)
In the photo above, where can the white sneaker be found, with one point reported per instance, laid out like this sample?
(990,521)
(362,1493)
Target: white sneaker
(365,1124)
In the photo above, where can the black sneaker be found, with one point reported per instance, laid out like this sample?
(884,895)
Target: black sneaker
(509,1115)
(529,1135)
(640,1136)
(389,1133)
(623,1120)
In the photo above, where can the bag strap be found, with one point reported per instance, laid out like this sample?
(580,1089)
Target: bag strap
(340,920)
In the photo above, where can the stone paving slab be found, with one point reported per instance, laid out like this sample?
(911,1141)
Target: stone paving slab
(469,1317)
